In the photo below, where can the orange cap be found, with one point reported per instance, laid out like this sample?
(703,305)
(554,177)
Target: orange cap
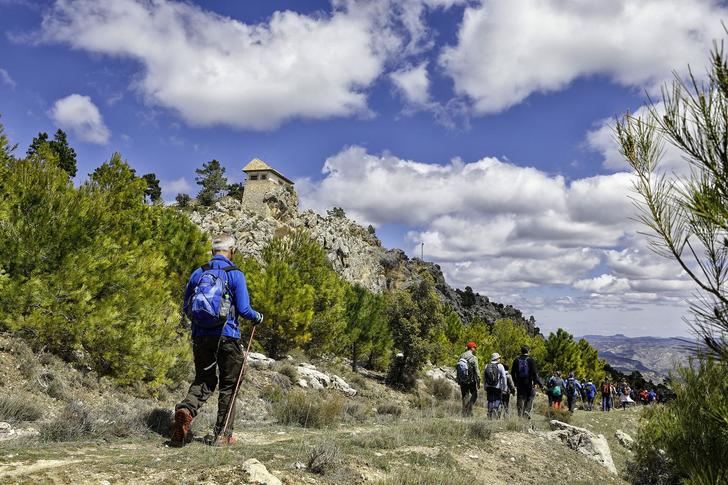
(472,345)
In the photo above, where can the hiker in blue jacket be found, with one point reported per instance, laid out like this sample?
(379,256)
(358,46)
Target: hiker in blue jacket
(573,389)
(215,296)
(590,390)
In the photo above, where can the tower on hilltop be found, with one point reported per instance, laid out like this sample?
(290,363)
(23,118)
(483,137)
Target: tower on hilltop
(260,179)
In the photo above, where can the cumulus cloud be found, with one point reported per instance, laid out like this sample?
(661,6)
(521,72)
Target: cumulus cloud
(413,83)
(509,49)
(503,228)
(6,79)
(213,69)
(170,188)
(602,139)
(79,115)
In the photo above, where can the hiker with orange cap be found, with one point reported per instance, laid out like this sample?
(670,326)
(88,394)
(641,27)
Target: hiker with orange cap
(467,376)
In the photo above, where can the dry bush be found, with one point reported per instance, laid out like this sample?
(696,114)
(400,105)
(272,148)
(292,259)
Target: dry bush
(27,361)
(562,414)
(73,423)
(422,400)
(289,371)
(271,393)
(480,430)
(323,458)
(357,410)
(389,409)
(159,420)
(310,410)
(440,388)
(19,407)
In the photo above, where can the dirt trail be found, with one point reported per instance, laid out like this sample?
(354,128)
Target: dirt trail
(15,469)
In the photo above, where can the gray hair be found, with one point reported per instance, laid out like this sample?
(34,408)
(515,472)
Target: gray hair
(223,242)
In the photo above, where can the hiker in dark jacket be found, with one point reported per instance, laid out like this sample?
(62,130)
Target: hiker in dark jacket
(216,349)
(525,375)
(469,388)
(495,383)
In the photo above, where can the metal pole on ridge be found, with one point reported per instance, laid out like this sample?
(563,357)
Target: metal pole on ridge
(231,405)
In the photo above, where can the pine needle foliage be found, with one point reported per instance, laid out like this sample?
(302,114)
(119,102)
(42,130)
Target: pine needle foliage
(93,270)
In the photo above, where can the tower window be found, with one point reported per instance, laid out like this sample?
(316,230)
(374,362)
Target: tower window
(253,177)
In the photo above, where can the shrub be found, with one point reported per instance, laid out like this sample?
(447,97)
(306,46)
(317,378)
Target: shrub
(271,393)
(57,388)
(19,407)
(74,422)
(159,420)
(685,440)
(323,458)
(389,409)
(289,371)
(310,410)
(357,410)
(28,364)
(440,388)
(480,430)
(561,414)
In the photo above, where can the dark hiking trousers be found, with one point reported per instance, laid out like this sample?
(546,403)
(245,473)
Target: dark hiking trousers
(469,394)
(524,400)
(494,396)
(229,357)
(570,401)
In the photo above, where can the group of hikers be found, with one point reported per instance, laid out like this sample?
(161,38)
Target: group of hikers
(521,379)
(586,391)
(500,383)
(217,293)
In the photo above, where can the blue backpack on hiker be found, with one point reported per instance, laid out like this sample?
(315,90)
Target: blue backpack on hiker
(211,303)
(462,370)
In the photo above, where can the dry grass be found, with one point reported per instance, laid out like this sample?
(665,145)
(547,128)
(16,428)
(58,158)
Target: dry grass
(441,389)
(323,458)
(310,410)
(19,407)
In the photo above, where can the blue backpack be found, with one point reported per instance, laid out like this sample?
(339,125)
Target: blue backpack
(210,303)
(462,369)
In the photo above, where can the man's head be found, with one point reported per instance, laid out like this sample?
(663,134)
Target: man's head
(495,358)
(525,350)
(224,245)
(472,346)
(558,373)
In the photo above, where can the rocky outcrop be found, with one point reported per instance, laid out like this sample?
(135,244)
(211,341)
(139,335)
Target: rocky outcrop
(355,253)
(584,441)
(624,439)
(254,472)
(310,377)
(7,432)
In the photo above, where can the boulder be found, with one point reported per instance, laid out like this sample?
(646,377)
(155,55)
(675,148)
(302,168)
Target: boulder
(584,441)
(254,472)
(624,439)
(442,373)
(311,377)
(260,361)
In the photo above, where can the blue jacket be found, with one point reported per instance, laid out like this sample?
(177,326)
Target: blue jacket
(238,292)
(591,390)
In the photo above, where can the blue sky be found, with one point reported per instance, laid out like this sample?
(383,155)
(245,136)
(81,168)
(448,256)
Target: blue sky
(480,128)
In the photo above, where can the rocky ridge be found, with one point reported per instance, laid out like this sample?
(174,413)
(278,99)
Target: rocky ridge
(355,253)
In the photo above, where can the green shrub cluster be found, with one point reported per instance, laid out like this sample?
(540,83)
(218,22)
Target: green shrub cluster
(686,440)
(94,270)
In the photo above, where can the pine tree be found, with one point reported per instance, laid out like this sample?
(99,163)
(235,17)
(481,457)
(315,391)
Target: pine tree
(366,323)
(236,190)
(153,192)
(562,353)
(64,154)
(183,200)
(211,177)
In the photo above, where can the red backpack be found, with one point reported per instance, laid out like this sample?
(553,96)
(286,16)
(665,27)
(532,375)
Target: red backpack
(606,389)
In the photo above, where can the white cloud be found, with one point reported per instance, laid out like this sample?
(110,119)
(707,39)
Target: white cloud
(6,79)
(602,139)
(504,229)
(170,188)
(79,115)
(213,69)
(509,49)
(413,83)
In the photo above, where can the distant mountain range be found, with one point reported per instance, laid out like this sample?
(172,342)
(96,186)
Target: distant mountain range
(653,357)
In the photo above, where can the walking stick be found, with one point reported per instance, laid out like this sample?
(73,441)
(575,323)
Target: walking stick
(231,405)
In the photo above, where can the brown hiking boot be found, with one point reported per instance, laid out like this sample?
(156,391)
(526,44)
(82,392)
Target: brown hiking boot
(227,440)
(181,426)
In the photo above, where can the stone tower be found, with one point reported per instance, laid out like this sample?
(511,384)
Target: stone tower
(261,178)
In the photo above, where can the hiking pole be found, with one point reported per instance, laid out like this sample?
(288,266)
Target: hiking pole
(231,405)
